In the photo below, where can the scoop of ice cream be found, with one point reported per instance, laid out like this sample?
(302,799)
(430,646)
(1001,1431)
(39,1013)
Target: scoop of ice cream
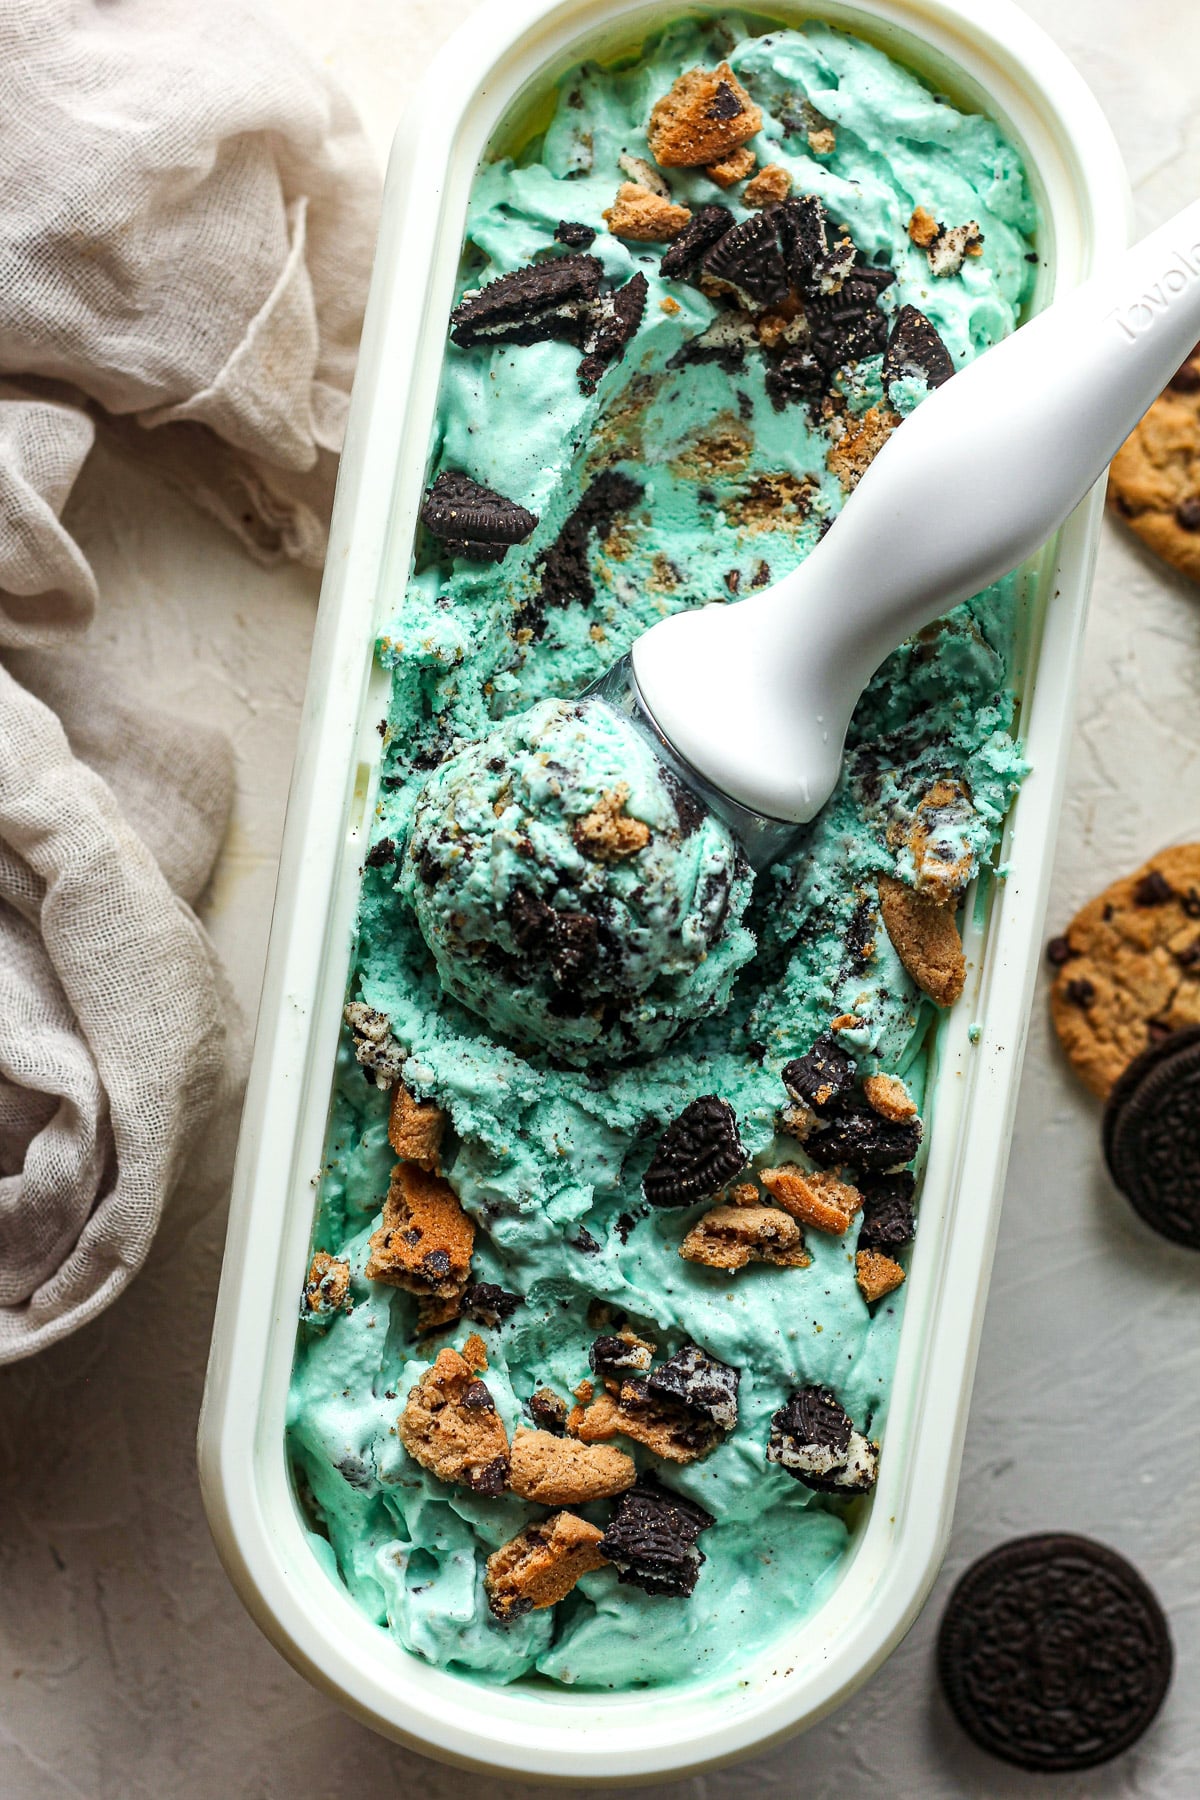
(573,893)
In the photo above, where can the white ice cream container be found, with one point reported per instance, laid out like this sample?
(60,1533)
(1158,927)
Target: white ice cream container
(987,57)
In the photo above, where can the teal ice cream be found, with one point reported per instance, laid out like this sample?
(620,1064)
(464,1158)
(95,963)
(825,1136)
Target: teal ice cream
(573,895)
(690,465)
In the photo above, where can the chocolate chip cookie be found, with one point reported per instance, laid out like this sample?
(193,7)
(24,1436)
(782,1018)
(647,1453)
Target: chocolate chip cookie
(1154,484)
(1128,967)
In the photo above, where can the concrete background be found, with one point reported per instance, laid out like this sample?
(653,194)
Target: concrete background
(127,1667)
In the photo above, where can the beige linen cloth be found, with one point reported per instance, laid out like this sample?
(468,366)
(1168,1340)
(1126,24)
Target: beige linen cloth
(187,212)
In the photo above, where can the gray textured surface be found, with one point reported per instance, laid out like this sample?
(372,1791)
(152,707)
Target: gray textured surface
(128,1669)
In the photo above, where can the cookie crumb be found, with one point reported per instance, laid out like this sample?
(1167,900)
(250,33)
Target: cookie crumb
(643,217)
(942,859)
(451,1427)
(732,1235)
(925,938)
(416,1128)
(890,1098)
(326,1288)
(822,141)
(771,185)
(876,1275)
(643,174)
(815,1197)
(732,169)
(548,1410)
(541,1565)
(425,1241)
(923,228)
(852,455)
(669,305)
(562,1471)
(607,833)
(665,1430)
(703,119)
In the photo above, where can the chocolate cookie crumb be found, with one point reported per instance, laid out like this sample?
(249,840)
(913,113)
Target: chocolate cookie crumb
(651,1539)
(541,301)
(814,1440)
(700,1383)
(488,1304)
(821,1077)
(696,1156)
(548,1410)
(1053,1653)
(573,232)
(474,521)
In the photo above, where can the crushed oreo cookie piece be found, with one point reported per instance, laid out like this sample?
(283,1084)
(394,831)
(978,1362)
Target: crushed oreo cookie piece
(857,1136)
(575,234)
(568,942)
(813,1439)
(887,1213)
(696,1155)
(382,854)
(747,261)
(548,1411)
(564,578)
(614,1358)
(376,1051)
(915,350)
(708,223)
(797,378)
(847,325)
(700,1383)
(813,266)
(490,1305)
(541,301)
(822,1077)
(725,341)
(615,319)
(651,1539)
(472,520)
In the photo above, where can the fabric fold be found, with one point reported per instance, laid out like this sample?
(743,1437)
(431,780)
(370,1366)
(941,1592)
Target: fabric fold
(187,217)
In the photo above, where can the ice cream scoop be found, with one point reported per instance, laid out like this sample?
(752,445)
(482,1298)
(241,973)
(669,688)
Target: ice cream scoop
(751,702)
(571,890)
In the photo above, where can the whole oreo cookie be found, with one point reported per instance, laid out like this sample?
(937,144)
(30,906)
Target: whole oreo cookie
(1053,1653)
(1152,1136)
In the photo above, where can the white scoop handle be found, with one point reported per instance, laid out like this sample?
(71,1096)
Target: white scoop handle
(757,696)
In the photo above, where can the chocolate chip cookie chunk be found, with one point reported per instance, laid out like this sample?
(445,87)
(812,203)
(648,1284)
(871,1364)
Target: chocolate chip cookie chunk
(1154,484)
(1128,967)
